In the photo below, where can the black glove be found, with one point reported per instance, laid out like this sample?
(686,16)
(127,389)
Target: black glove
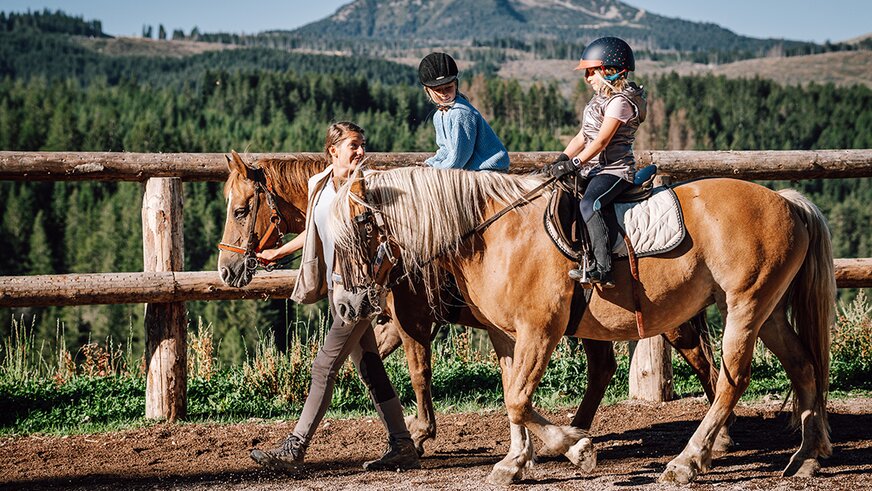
(562,157)
(561,167)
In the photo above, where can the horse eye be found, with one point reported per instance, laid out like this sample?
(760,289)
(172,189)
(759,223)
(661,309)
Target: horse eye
(240,213)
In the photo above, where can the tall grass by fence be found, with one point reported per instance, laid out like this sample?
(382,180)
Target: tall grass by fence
(45,388)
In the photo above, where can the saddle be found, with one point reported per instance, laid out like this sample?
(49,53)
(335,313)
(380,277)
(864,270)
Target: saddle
(648,218)
(560,220)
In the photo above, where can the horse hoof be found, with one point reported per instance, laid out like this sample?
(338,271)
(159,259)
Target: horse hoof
(678,473)
(723,443)
(419,433)
(503,475)
(802,468)
(583,455)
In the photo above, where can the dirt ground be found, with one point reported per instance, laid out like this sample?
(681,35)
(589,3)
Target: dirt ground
(634,442)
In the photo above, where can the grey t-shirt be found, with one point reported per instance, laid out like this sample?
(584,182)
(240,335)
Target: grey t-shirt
(321,213)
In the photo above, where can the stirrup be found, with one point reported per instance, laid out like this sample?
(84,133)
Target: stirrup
(581,273)
(592,276)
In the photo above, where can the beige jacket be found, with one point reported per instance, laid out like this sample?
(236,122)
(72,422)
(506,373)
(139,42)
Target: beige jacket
(311,283)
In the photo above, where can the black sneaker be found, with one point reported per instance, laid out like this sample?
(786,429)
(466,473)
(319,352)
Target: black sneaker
(288,456)
(594,277)
(400,455)
(604,280)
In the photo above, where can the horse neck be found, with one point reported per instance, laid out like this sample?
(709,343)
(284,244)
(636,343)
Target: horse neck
(290,179)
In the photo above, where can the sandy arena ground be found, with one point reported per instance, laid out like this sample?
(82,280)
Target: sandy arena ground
(634,443)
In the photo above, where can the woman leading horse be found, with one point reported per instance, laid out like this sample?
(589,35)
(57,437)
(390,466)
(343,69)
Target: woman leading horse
(407,319)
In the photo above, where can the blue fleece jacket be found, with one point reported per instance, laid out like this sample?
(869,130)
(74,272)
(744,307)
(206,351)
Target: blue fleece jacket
(466,141)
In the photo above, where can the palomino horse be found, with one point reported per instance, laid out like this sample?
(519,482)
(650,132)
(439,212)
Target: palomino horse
(752,251)
(410,319)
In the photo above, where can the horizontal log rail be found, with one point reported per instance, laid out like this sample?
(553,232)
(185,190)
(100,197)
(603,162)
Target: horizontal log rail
(116,288)
(123,166)
(854,273)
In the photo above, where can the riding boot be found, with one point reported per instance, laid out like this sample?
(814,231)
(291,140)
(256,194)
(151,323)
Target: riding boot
(287,456)
(400,455)
(600,268)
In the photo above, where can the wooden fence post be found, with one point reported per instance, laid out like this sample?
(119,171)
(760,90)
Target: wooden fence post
(165,323)
(651,360)
(651,370)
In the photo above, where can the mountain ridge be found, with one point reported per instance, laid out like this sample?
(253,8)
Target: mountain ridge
(573,21)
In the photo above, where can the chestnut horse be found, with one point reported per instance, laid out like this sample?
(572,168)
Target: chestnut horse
(754,252)
(407,320)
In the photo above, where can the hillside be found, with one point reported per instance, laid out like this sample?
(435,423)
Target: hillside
(137,46)
(843,69)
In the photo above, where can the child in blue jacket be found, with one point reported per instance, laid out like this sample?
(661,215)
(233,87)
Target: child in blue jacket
(465,139)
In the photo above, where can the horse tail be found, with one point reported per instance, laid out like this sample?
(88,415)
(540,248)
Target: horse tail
(813,292)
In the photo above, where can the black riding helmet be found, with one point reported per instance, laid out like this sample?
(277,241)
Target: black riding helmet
(437,69)
(608,52)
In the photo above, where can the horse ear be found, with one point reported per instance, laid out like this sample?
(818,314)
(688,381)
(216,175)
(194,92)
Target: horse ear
(236,163)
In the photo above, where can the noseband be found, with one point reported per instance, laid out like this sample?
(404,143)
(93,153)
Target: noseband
(262,185)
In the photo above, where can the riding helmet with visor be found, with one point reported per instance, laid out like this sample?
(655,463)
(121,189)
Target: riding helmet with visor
(437,69)
(608,52)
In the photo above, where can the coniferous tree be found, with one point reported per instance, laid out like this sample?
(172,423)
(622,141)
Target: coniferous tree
(39,253)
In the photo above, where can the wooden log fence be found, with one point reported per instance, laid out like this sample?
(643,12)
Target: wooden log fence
(680,165)
(164,287)
(190,286)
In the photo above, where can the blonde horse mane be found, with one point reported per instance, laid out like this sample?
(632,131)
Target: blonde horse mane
(427,211)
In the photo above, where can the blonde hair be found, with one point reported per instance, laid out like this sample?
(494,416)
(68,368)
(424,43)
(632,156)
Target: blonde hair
(608,88)
(338,132)
(456,82)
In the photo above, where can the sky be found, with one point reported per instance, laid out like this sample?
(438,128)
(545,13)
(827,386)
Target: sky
(802,20)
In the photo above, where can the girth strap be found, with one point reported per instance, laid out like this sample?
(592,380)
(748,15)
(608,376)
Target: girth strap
(634,273)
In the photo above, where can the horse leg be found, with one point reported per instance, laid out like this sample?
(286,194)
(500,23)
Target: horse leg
(419,357)
(413,332)
(521,443)
(530,360)
(601,367)
(740,334)
(692,342)
(809,413)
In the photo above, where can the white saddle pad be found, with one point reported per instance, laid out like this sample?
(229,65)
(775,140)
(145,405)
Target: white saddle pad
(654,226)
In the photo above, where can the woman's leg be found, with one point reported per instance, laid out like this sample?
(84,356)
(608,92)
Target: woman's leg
(372,371)
(339,343)
(401,452)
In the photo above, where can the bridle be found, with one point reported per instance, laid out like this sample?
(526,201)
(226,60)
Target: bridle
(369,223)
(262,185)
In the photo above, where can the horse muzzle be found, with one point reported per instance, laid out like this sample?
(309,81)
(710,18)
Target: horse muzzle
(238,273)
(355,306)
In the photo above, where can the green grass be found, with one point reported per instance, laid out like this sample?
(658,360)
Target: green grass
(103,389)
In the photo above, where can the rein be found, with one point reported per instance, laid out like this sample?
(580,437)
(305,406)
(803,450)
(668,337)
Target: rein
(262,185)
